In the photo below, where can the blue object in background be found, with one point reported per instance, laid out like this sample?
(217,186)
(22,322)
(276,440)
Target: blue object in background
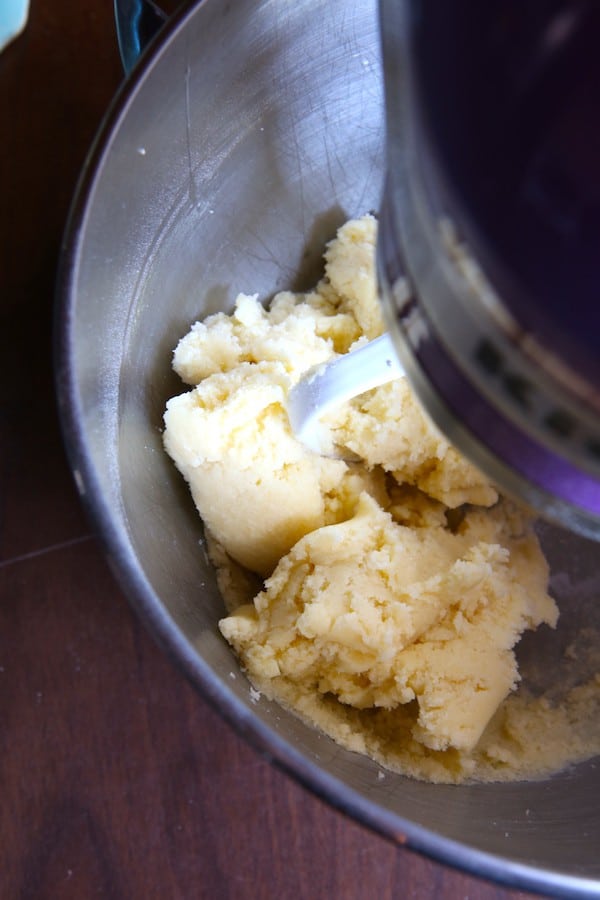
(13,18)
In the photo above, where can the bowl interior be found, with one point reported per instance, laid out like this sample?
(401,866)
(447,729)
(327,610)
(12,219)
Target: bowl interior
(236,151)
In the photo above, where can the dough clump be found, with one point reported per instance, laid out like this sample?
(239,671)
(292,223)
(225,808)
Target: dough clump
(393,589)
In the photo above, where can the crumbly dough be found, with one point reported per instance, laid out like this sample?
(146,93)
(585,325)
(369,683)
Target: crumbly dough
(393,590)
(379,615)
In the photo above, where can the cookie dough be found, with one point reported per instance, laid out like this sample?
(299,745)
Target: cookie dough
(394,587)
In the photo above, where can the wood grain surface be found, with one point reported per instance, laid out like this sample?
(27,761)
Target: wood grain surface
(117,780)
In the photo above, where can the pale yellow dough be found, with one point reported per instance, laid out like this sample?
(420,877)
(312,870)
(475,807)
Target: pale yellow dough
(379,615)
(395,588)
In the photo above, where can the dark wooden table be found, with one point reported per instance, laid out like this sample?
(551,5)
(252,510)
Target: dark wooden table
(116,778)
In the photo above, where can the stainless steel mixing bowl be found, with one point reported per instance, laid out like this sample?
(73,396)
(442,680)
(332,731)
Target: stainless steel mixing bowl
(248,133)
